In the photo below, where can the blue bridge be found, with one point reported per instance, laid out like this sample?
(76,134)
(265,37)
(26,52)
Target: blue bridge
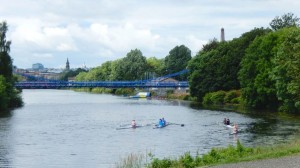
(150,83)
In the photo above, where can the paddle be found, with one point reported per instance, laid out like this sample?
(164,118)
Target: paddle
(182,125)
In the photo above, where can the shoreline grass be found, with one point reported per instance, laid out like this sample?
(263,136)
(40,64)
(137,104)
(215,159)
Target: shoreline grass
(217,156)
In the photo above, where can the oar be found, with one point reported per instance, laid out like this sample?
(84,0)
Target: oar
(123,128)
(182,125)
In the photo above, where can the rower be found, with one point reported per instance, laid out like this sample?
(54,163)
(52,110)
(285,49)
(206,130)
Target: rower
(163,122)
(225,121)
(228,121)
(133,123)
(160,123)
(235,128)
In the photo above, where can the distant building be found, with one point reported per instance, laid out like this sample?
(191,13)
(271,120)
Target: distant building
(37,66)
(222,35)
(67,65)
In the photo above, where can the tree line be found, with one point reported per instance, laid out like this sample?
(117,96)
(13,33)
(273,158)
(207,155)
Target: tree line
(135,66)
(263,64)
(9,96)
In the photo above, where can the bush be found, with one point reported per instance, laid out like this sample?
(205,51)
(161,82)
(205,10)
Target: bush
(222,97)
(218,97)
(207,99)
(230,95)
(164,163)
(124,91)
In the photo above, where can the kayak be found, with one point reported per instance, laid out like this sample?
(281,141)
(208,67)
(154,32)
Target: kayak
(229,126)
(129,127)
(156,126)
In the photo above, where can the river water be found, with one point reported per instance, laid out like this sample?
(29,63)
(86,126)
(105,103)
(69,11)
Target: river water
(63,128)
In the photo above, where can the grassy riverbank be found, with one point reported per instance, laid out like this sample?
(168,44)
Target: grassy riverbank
(217,156)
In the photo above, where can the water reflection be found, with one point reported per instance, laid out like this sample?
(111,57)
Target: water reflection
(60,128)
(5,139)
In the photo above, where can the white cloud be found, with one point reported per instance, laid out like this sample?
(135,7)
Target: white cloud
(94,31)
(42,55)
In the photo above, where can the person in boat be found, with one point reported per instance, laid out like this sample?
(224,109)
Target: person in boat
(133,123)
(225,121)
(228,121)
(163,122)
(235,128)
(160,123)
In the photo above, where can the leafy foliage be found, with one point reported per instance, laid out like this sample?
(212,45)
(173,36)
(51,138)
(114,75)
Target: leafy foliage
(177,60)
(216,67)
(286,20)
(258,86)
(286,72)
(133,66)
(71,73)
(222,97)
(8,95)
(156,67)
(216,155)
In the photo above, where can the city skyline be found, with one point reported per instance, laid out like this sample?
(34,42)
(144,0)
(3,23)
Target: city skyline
(91,32)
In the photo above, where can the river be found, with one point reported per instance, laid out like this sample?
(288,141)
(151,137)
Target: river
(63,128)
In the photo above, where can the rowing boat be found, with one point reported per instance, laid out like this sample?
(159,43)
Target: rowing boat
(156,126)
(131,127)
(229,126)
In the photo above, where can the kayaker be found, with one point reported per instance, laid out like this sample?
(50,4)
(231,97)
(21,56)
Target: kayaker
(163,122)
(225,121)
(235,128)
(133,123)
(160,123)
(228,121)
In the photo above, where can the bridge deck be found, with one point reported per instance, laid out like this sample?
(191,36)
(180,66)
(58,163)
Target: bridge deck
(106,84)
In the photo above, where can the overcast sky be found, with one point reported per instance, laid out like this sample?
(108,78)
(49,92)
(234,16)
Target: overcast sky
(91,32)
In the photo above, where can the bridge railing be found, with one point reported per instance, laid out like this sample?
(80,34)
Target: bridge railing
(106,84)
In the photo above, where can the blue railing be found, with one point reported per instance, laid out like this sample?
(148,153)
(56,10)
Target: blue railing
(42,83)
(106,84)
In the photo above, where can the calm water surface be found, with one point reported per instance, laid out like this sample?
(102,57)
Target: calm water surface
(61,128)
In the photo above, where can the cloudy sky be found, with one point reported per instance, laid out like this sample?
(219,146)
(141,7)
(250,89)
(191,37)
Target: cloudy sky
(91,32)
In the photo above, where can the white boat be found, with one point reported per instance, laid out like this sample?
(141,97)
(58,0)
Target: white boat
(142,95)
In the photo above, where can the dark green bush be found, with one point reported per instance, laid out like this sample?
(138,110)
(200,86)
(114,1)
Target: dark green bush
(230,95)
(218,97)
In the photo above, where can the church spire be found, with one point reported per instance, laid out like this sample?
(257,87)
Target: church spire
(67,65)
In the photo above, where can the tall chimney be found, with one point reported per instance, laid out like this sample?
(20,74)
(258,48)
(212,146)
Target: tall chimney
(222,35)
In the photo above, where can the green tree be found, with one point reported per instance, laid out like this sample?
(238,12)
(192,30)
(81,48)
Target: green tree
(133,66)
(258,86)
(5,60)
(71,73)
(212,44)
(177,60)
(81,76)
(8,95)
(286,20)
(216,67)
(156,67)
(3,93)
(286,72)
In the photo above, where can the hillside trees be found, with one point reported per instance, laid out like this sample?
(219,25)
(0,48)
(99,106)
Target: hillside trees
(216,66)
